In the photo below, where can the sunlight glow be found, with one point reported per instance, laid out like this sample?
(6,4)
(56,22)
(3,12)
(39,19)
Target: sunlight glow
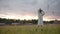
(26,17)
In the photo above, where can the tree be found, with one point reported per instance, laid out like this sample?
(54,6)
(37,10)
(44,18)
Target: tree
(8,22)
(34,21)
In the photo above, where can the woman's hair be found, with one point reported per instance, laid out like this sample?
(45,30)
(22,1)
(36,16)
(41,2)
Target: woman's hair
(40,10)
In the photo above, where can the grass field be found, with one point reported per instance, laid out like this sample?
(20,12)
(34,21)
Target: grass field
(30,29)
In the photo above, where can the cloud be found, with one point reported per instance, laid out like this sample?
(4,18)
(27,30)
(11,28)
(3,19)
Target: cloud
(30,7)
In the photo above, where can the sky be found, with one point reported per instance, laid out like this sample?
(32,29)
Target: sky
(28,9)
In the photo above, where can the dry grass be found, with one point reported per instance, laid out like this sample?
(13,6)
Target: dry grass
(30,29)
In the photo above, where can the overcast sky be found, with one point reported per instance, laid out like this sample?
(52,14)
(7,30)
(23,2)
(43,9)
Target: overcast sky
(23,9)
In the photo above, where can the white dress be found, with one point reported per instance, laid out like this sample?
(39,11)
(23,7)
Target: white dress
(40,17)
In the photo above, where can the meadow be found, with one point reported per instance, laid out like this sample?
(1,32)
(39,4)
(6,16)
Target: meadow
(30,29)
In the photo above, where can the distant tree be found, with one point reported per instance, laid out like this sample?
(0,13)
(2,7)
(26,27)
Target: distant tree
(24,21)
(34,21)
(51,22)
(8,22)
(18,21)
(3,20)
(45,22)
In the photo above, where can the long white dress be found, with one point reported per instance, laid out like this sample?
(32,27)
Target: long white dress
(40,17)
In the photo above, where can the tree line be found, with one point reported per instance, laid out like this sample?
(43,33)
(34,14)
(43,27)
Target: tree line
(33,21)
(10,21)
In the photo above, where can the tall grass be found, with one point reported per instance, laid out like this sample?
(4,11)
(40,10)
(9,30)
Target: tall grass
(30,29)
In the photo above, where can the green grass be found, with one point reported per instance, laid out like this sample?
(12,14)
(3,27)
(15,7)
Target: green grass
(30,29)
